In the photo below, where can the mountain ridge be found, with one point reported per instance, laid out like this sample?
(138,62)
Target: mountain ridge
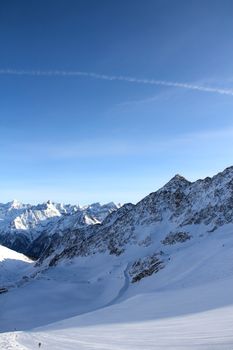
(21,224)
(181,204)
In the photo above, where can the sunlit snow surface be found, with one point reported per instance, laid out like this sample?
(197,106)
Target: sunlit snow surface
(187,305)
(164,320)
(12,266)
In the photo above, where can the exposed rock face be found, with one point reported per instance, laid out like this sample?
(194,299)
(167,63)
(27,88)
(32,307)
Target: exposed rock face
(180,212)
(27,228)
(146,267)
(178,237)
(83,241)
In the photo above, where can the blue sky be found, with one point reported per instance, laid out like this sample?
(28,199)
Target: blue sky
(82,138)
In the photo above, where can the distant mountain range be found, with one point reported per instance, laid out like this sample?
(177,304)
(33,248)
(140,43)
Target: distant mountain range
(22,224)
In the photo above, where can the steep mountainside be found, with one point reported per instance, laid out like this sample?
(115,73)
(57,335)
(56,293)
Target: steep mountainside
(21,224)
(180,213)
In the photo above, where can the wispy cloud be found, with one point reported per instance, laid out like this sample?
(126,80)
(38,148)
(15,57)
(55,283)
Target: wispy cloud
(62,73)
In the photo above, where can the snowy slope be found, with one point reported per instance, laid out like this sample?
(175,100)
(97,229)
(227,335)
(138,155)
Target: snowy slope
(85,284)
(188,307)
(12,266)
(154,275)
(6,253)
(139,323)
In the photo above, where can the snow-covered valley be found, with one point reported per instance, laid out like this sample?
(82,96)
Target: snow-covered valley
(157,275)
(190,309)
(164,320)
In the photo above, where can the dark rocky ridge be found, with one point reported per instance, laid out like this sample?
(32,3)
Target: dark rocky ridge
(169,216)
(28,228)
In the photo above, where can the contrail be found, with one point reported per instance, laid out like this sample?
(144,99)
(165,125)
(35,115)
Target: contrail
(117,78)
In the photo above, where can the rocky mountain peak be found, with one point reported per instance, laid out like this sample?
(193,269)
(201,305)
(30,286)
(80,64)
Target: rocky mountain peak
(176,182)
(15,204)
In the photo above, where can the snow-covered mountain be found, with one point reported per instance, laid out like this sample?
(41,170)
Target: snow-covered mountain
(180,213)
(163,266)
(21,224)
